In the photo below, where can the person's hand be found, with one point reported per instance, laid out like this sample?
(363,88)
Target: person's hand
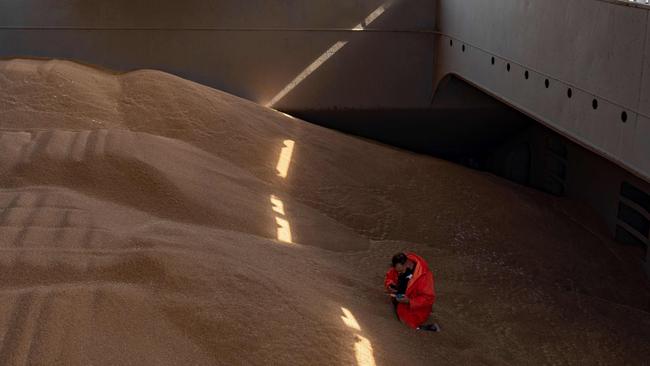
(402,300)
(390,290)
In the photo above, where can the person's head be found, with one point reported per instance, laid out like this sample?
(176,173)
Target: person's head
(399,262)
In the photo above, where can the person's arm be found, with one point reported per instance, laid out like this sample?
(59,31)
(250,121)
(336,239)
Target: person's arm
(423,294)
(390,281)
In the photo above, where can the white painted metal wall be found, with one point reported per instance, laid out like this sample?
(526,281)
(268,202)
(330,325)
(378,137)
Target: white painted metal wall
(597,49)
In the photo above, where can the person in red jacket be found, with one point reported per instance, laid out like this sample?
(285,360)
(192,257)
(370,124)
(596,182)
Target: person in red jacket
(410,284)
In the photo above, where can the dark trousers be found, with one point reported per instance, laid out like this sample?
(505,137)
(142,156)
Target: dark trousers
(395,303)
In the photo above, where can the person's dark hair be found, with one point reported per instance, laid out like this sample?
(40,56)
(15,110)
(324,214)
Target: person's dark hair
(399,258)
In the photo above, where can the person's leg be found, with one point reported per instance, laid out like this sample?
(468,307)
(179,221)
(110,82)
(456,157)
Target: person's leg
(430,327)
(395,303)
(429,324)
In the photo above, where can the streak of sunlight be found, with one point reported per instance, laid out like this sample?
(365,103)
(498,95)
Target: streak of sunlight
(285,158)
(308,71)
(278,205)
(349,319)
(373,16)
(363,352)
(286,115)
(284,230)
(362,348)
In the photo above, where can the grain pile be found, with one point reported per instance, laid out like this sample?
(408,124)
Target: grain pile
(149,220)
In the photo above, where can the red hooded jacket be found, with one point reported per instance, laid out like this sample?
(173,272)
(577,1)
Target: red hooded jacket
(419,292)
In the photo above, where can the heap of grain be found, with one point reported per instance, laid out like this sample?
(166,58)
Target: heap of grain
(147,219)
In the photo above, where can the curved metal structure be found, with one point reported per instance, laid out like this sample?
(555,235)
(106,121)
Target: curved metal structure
(580,67)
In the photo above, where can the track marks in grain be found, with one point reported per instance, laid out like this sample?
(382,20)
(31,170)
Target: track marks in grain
(42,218)
(26,318)
(67,146)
